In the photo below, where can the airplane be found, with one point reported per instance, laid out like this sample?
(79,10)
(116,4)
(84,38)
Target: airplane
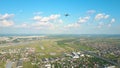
(66,15)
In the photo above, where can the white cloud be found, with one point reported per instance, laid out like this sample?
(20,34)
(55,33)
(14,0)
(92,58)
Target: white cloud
(73,25)
(80,21)
(106,16)
(24,25)
(53,23)
(44,26)
(100,25)
(39,24)
(49,22)
(37,18)
(113,20)
(6,16)
(6,20)
(43,23)
(60,21)
(91,11)
(101,16)
(52,17)
(83,20)
(6,23)
(46,19)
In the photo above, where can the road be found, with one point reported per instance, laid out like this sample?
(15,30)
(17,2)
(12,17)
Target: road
(86,52)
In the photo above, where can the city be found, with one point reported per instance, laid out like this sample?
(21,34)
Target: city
(60,52)
(59,34)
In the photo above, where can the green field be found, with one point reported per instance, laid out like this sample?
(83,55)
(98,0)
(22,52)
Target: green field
(60,45)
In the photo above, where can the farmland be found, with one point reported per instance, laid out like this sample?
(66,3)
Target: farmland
(37,52)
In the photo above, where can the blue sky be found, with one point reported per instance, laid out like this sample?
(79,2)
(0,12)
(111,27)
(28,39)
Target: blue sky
(48,17)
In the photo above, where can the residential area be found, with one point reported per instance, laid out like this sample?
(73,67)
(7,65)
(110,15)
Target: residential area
(36,56)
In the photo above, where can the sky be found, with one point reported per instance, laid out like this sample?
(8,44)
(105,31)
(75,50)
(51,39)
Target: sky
(48,17)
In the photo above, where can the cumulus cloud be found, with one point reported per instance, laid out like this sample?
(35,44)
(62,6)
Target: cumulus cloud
(6,16)
(6,20)
(91,11)
(54,23)
(46,19)
(77,24)
(100,24)
(101,16)
(41,24)
(6,23)
(37,18)
(83,20)
(106,16)
(60,21)
(52,17)
(113,20)
(24,25)
(49,22)
(72,25)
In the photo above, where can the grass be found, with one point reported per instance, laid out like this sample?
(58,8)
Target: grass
(58,46)
(2,64)
(27,65)
(52,46)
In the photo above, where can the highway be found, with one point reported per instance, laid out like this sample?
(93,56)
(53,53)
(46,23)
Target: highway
(107,60)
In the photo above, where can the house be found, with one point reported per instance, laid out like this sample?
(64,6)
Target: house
(110,67)
(75,55)
(48,66)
